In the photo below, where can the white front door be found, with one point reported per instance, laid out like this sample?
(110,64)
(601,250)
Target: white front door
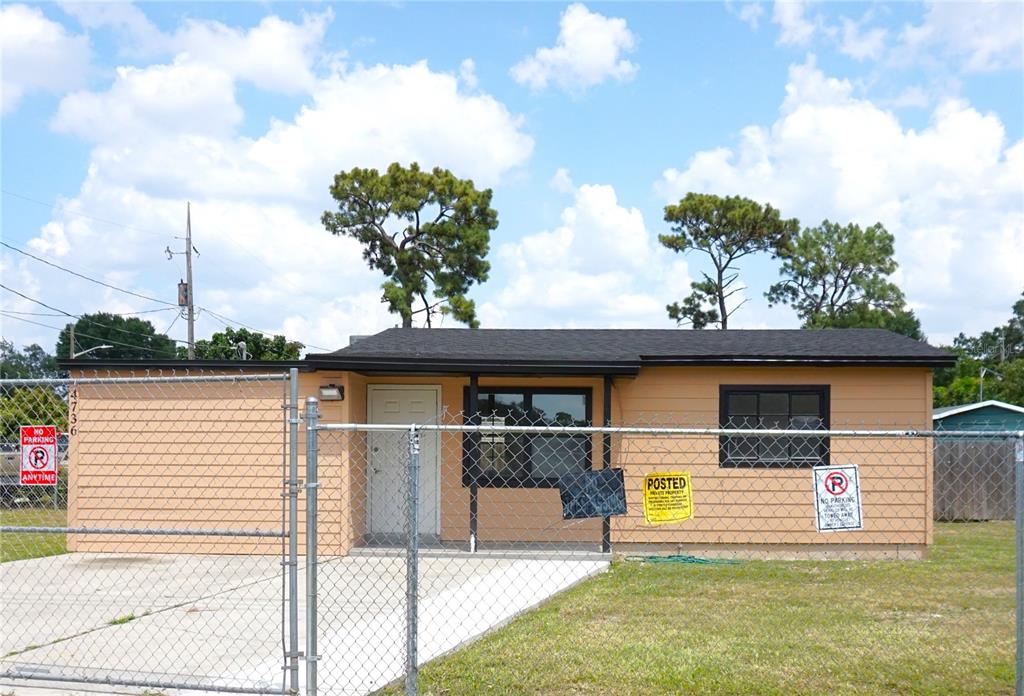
(388,458)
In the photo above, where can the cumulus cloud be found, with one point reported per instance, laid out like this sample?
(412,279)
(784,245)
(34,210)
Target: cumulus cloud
(467,73)
(600,267)
(794,27)
(947,190)
(165,133)
(588,51)
(38,55)
(983,36)
(860,43)
(274,55)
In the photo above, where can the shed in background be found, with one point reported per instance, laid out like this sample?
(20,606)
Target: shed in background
(974,478)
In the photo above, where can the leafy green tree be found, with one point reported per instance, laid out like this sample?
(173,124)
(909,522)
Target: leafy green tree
(901,321)
(224,345)
(428,232)
(42,405)
(726,229)
(30,406)
(130,338)
(29,362)
(999,350)
(1004,342)
(837,276)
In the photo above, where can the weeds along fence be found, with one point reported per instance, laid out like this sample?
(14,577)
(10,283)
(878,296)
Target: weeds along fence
(218,533)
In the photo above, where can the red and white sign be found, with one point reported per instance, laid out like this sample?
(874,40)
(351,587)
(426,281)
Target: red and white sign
(837,498)
(38,455)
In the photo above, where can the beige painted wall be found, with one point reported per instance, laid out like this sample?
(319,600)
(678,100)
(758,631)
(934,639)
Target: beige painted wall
(203,456)
(737,506)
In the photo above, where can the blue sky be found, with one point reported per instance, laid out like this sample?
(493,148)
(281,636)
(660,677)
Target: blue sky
(584,119)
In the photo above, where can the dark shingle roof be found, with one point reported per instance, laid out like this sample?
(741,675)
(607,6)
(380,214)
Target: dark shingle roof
(635,347)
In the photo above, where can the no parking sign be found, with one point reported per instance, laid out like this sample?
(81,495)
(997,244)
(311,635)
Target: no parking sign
(837,498)
(38,455)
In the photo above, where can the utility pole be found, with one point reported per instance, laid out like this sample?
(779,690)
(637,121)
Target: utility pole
(186,295)
(71,340)
(188,279)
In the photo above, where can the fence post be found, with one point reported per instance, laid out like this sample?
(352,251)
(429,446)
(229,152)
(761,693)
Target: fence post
(412,563)
(1019,507)
(312,419)
(293,530)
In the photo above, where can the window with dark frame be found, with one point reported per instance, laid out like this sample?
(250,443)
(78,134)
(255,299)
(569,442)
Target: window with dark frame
(772,407)
(526,460)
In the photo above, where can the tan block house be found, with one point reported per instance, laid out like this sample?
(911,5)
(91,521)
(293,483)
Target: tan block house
(751,495)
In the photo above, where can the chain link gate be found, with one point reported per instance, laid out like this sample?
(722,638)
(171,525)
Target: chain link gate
(406,577)
(165,558)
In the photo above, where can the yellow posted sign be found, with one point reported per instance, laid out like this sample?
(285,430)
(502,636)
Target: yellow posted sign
(667,498)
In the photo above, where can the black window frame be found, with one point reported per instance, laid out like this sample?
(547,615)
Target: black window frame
(824,393)
(473,475)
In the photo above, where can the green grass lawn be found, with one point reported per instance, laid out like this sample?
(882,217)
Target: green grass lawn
(939,626)
(18,546)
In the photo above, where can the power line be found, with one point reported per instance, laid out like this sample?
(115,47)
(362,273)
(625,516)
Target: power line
(231,323)
(81,318)
(280,278)
(227,321)
(85,277)
(68,211)
(97,338)
(120,314)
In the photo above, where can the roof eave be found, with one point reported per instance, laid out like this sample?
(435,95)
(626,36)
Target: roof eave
(811,361)
(87,364)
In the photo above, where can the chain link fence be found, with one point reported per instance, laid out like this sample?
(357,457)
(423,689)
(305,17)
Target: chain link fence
(144,527)
(213,533)
(513,508)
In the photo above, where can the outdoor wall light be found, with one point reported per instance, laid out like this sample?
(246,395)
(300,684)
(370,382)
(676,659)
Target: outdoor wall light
(332,392)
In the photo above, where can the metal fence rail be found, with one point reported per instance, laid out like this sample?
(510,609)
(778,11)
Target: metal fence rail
(436,534)
(160,559)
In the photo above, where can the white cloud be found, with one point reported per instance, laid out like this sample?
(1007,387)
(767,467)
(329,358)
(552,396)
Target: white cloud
(38,55)
(862,44)
(794,27)
(168,132)
(561,181)
(467,73)
(274,55)
(982,36)
(600,267)
(139,35)
(747,12)
(947,191)
(148,104)
(588,51)
(751,13)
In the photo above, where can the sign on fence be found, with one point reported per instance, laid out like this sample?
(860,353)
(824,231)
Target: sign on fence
(38,455)
(667,498)
(837,498)
(600,493)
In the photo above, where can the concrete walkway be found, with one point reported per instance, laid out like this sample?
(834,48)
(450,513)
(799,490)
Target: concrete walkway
(216,620)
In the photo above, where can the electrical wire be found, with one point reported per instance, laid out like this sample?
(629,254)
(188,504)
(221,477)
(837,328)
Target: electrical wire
(55,206)
(81,318)
(231,323)
(120,314)
(227,321)
(79,334)
(85,277)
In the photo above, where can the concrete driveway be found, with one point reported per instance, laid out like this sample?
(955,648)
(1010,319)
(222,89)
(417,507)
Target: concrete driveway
(216,621)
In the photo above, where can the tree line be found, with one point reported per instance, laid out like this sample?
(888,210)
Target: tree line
(428,233)
(990,365)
